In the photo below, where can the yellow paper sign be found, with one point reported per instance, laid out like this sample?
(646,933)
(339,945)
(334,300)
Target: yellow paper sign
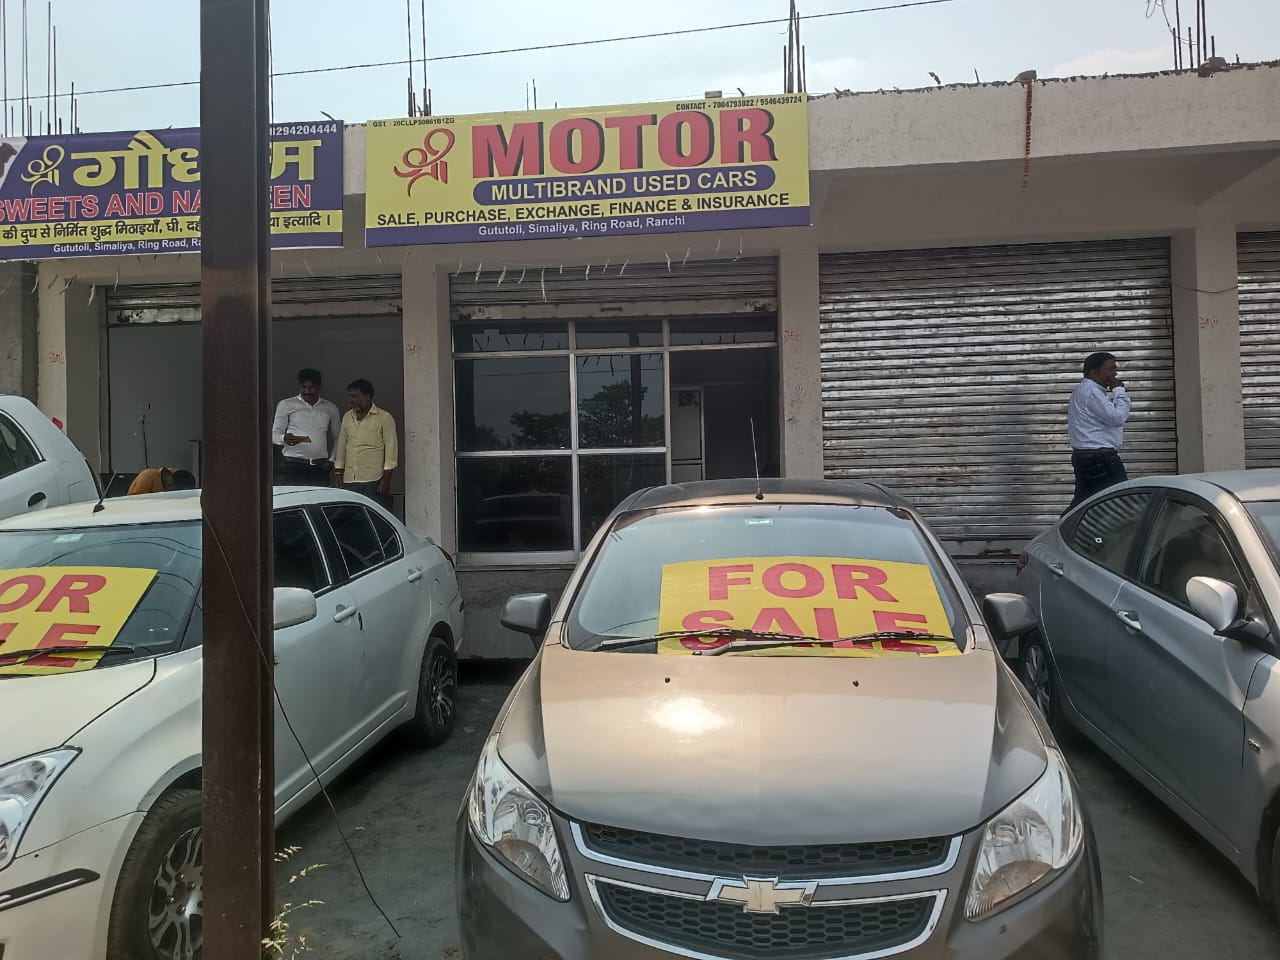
(825,597)
(65,606)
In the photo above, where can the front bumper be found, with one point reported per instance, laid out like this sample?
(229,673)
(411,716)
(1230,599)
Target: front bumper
(501,916)
(55,902)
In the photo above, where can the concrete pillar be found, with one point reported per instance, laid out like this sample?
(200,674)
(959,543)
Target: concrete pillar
(800,359)
(428,402)
(1206,347)
(69,340)
(18,323)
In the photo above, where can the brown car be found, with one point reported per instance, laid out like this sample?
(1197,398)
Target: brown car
(767,722)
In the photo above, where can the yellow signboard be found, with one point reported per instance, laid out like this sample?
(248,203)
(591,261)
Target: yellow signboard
(65,607)
(825,597)
(730,164)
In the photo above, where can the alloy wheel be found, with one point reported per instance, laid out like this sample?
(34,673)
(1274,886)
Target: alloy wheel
(176,915)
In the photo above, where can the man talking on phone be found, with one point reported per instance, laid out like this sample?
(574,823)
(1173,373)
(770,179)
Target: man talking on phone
(1096,417)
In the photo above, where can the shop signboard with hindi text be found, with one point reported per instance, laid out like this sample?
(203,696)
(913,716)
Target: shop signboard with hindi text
(734,164)
(133,193)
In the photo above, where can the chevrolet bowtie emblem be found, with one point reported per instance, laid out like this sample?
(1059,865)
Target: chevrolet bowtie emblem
(763,894)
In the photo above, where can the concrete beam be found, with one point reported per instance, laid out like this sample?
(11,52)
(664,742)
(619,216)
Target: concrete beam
(800,360)
(1232,179)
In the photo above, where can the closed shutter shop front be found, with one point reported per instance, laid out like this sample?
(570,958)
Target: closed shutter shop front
(1259,265)
(946,375)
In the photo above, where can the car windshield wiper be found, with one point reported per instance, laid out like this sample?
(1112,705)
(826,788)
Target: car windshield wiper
(18,657)
(732,633)
(775,641)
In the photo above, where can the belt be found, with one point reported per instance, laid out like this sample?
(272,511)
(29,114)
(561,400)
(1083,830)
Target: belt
(309,463)
(1093,450)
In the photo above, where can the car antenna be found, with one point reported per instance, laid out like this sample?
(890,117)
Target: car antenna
(755,457)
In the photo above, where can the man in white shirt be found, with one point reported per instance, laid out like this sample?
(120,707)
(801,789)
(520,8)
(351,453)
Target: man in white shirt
(306,427)
(1095,424)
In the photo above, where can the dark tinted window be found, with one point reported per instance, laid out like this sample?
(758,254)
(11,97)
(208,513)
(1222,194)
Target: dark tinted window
(508,335)
(515,503)
(1185,543)
(16,452)
(595,334)
(620,400)
(1267,516)
(1104,533)
(387,536)
(356,538)
(297,555)
(513,403)
(724,330)
(605,480)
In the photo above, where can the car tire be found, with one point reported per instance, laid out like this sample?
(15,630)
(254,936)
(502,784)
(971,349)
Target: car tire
(158,909)
(433,720)
(1037,674)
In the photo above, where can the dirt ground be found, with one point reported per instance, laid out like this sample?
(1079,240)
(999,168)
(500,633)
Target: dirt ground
(1168,894)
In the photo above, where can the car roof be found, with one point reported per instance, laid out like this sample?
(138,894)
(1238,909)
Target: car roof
(177,506)
(1248,486)
(703,492)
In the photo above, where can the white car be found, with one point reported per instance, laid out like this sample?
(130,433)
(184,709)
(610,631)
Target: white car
(100,808)
(39,465)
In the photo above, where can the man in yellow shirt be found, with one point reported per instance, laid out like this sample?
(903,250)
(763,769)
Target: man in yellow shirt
(161,480)
(367,448)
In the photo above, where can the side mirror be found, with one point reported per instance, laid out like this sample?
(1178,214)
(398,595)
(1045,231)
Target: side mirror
(293,606)
(1216,602)
(1009,617)
(528,613)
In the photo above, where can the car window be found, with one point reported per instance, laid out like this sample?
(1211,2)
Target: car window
(1186,543)
(16,451)
(1105,532)
(357,541)
(298,562)
(833,571)
(387,536)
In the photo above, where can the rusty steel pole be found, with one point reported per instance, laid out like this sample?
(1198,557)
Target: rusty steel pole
(235,279)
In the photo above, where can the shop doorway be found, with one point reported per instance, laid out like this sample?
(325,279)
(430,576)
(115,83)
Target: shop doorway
(724,414)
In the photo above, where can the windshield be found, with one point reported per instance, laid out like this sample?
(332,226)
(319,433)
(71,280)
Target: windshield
(825,571)
(122,592)
(1267,516)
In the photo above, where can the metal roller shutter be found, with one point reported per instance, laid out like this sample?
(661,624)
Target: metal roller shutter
(616,289)
(946,375)
(180,302)
(1259,267)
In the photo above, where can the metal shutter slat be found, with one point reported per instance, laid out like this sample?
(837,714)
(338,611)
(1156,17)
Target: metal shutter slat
(180,302)
(1259,267)
(946,374)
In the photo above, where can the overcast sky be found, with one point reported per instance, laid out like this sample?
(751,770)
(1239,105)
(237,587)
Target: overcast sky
(114,43)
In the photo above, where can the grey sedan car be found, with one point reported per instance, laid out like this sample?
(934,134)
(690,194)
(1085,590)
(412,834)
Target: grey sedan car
(1158,603)
(770,723)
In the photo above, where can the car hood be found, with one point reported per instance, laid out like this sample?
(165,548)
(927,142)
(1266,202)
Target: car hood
(40,712)
(773,750)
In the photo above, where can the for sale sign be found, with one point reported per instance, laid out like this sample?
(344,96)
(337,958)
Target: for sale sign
(44,607)
(829,598)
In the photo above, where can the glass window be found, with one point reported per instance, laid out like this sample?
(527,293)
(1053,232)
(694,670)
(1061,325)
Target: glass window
(606,480)
(1267,516)
(515,504)
(298,562)
(1186,543)
(620,400)
(16,452)
(1104,533)
(355,535)
(159,619)
(622,594)
(723,330)
(392,549)
(612,334)
(510,335)
(513,403)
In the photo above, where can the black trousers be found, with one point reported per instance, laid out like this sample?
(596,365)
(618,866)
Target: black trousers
(1095,470)
(300,473)
(370,490)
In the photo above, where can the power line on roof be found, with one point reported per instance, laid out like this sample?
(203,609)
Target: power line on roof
(529,49)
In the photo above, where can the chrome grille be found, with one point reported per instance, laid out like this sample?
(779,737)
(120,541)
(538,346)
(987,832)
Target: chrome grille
(725,930)
(815,862)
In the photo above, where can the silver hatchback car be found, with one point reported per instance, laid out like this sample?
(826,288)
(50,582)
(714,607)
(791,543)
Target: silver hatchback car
(1158,603)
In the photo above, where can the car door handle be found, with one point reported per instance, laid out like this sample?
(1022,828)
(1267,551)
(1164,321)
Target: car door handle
(1130,619)
(36,498)
(345,613)
(415,575)
(1056,568)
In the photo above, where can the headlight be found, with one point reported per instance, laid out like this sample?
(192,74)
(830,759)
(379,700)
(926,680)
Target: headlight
(515,824)
(1027,842)
(23,785)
